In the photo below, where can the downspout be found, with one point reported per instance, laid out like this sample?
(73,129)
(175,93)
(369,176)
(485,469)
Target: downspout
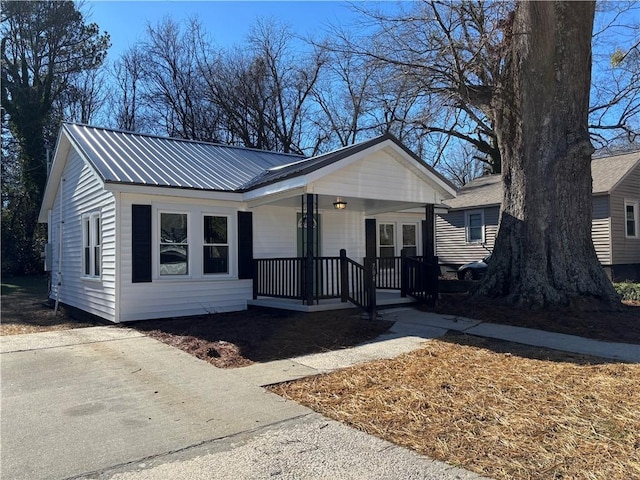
(60,249)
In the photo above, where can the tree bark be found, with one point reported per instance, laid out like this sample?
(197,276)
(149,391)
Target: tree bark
(544,255)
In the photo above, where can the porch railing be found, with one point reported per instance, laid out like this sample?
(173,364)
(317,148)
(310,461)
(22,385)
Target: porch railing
(343,278)
(288,278)
(420,279)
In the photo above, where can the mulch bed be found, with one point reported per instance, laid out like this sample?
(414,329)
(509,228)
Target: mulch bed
(238,339)
(622,326)
(503,410)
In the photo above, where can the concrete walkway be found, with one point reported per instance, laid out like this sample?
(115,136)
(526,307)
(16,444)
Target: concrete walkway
(107,402)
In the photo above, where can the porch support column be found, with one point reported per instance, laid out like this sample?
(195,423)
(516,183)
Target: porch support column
(309,247)
(428,232)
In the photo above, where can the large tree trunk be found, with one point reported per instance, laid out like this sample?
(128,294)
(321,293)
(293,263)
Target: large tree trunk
(544,254)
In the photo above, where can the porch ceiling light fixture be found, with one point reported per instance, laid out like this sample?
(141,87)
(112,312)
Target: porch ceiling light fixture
(339,204)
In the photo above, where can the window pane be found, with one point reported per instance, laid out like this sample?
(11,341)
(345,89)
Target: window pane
(174,259)
(87,232)
(215,229)
(387,251)
(630,213)
(475,234)
(216,259)
(173,228)
(87,260)
(96,239)
(411,251)
(408,235)
(387,236)
(475,220)
(96,261)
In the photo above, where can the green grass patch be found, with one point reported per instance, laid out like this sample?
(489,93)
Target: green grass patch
(628,290)
(29,284)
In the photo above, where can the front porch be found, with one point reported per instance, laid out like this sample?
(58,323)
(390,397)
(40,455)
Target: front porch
(311,284)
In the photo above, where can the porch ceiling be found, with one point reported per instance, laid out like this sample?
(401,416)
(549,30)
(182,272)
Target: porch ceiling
(367,205)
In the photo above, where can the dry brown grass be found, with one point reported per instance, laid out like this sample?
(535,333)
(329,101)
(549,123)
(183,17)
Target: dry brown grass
(470,402)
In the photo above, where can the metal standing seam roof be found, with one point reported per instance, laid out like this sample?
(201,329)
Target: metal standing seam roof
(606,172)
(132,158)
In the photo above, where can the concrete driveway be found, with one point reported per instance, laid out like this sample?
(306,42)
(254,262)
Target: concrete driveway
(109,403)
(78,402)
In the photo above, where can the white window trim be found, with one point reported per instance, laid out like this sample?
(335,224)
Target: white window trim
(636,214)
(91,218)
(467,227)
(230,242)
(397,236)
(189,244)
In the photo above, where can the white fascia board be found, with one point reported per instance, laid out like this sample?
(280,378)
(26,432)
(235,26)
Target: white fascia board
(275,188)
(173,192)
(60,155)
(264,200)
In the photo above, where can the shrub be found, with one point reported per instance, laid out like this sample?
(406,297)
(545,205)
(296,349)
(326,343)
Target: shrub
(628,290)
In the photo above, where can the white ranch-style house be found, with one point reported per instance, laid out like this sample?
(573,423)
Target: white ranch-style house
(144,227)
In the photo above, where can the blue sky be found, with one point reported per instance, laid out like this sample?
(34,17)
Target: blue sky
(227,21)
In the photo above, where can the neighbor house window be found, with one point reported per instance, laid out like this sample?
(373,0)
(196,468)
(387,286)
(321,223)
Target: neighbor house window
(215,244)
(91,255)
(631,219)
(174,244)
(474,221)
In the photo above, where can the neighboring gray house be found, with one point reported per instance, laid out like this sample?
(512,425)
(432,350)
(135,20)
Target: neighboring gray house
(467,232)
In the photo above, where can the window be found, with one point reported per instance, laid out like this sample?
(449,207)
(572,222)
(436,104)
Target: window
(631,219)
(409,239)
(215,245)
(91,258)
(387,240)
(174,244)
(474,221)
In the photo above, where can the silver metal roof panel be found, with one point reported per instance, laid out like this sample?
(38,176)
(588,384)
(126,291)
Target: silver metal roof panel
(131,158)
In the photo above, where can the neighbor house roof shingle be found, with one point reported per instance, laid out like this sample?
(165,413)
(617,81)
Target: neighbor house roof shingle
(485,191)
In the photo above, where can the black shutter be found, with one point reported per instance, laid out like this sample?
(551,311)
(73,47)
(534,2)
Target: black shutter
(141,243)
(245,245)
(370,237)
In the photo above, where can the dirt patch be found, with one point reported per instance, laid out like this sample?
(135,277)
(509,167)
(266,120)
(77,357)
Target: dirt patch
(237,339)
(622,326)
(499,409)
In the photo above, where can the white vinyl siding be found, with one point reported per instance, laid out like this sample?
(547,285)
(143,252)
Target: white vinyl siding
(177,295)
(379,176)
(82,193)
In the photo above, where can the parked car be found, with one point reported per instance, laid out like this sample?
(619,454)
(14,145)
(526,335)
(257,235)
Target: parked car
(474,270)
